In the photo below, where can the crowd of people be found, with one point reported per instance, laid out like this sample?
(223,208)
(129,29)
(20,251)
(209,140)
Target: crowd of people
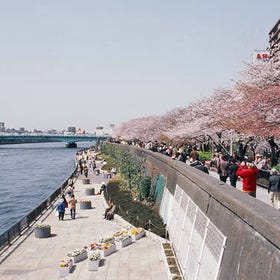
(85,161)
(229,167)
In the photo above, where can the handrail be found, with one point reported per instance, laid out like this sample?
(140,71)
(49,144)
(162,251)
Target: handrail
(7,237)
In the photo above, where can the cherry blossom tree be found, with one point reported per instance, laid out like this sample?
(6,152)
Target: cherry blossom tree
(251,108)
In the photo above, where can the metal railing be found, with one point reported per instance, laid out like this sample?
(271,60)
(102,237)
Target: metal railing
(15,231)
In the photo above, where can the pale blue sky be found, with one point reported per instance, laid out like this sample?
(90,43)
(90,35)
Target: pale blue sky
(90,63)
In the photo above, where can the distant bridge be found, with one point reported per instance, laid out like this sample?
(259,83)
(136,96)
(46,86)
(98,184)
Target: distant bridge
(42,138)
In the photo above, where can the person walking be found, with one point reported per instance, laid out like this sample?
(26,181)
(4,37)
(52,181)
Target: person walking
(232,168)
(249,173)
(274,188)
(222,168)
(72,205)
(86,171)
(61,209)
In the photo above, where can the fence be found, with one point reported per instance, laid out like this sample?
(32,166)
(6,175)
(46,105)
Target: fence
(17,229)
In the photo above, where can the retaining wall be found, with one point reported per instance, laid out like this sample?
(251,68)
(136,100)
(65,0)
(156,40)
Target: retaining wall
(217,232)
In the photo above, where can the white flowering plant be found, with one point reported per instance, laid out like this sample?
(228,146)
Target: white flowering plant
(41,225)
(122,237)
(76,252)
(94,255)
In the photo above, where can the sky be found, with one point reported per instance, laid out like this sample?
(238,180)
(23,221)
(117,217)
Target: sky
(88,63)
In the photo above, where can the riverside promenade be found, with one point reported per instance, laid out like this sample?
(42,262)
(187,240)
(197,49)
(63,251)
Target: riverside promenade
(33,258)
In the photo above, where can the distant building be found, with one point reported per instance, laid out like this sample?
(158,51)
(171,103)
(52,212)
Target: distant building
(2,126)
(71,129)
(101,131)
(274,39)
(52,131)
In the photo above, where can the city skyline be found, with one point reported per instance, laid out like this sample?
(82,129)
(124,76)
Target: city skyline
(90,63)
(72,129)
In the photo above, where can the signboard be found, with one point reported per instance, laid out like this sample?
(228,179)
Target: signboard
(260,56)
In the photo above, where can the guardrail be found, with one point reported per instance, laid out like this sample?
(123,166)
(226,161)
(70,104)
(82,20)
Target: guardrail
(15,231)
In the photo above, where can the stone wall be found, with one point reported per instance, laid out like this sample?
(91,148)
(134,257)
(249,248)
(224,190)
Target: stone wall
(250,227)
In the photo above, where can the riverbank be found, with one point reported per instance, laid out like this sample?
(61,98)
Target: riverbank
(141,260)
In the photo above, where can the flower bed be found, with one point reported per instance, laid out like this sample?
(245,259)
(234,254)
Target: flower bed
(122,241)
(94,260)
(136,233)
(42,230)
(78,255)
(109,239)
(86,181)
(65,267)
(85,204)
(107,249)
(90,191)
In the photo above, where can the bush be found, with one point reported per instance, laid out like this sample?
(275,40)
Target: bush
(145,187)
(110,162)
(203,156)
(134,212)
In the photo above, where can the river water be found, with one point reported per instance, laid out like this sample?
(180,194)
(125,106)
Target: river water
(29,173)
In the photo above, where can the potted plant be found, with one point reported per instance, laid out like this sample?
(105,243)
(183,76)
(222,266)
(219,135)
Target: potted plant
(85,204)
(122,240)
(65,267)
(136,233)
(107,249)
(78,255)
(86,181)
(94,260)
(42,230)
(90,191)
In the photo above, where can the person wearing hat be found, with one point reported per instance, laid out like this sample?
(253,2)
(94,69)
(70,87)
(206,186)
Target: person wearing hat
(60,208)
(274,188)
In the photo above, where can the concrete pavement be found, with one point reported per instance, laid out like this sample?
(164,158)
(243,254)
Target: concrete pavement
(33,258)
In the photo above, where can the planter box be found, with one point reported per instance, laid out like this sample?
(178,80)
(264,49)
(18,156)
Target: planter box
(85,205)
(138,235)
(90,191)
(121,244)
(64,271)
(42,232)
(79,257)
(107,252)
(86,181)
(93,265)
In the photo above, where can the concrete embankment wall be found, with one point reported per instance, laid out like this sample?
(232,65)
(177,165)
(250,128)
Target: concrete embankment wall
(217,232)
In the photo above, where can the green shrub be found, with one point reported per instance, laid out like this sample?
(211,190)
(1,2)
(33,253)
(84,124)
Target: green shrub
(203,156)
(134,212)
(145,187)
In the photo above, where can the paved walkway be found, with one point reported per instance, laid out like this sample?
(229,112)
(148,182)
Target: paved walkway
(36,258)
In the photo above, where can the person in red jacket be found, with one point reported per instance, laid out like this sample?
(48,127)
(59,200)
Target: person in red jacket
(249,173)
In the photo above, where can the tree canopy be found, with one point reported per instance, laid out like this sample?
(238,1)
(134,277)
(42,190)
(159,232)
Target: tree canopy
(251,107)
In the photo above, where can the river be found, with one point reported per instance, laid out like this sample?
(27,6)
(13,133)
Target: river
(29,173)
